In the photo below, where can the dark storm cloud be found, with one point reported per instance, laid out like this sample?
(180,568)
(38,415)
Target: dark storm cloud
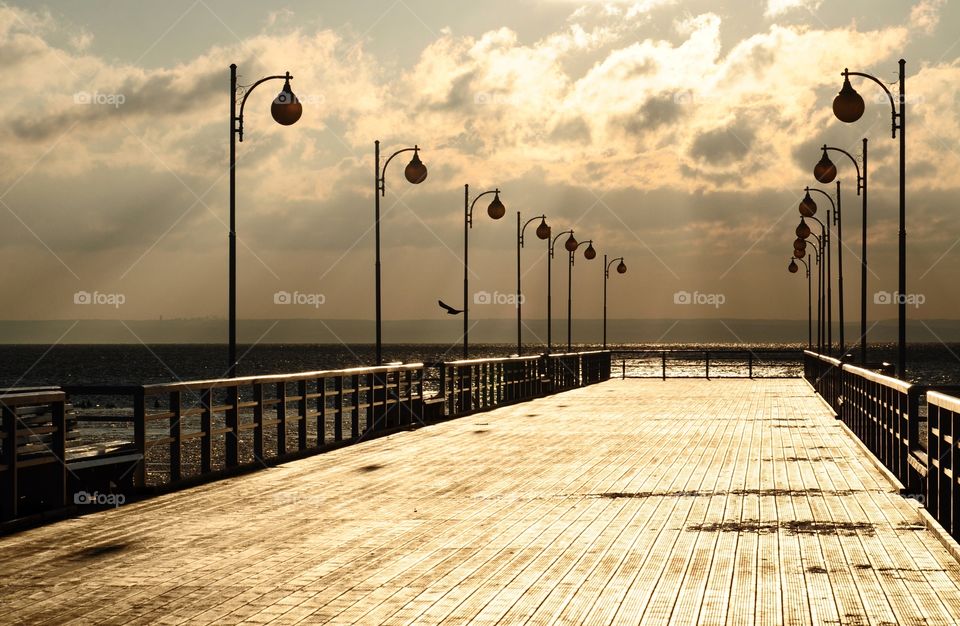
(657,111)
(573,130)
(159,96)
(722,145)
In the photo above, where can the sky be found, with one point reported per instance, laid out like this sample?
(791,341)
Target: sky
(678,134)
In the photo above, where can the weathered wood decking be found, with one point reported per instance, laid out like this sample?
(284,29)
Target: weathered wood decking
(629,502)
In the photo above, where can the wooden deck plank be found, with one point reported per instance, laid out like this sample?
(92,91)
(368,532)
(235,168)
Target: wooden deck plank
(715,502)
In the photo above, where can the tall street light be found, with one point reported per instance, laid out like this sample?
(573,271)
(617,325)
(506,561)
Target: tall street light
(543,232)
(848,106)
(621,269)
(286,110)
(496,210)
(588,254)
(569,245)
(799,251)
(825,171)
(824,242)
(416,173)
(793,268)
(808,206)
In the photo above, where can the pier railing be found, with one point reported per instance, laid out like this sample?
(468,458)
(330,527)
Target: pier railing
(912,429)
(479,384)
(33,437)
(194,428)
(709,364)
(170,434)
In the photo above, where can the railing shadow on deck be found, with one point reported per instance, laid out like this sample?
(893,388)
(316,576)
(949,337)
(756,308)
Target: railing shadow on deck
(910,428)
(135,440)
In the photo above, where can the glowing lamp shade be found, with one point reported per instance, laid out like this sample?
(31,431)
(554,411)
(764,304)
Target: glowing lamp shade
(793,267)
(543,231)
(416,171)
(571,243)
(848,105)
(590,253)
(622,268)
(496,210)
(803,231)
(808,208)
(286,109)
(825,171)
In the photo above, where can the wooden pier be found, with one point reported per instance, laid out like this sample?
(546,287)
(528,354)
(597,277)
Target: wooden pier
(629,501)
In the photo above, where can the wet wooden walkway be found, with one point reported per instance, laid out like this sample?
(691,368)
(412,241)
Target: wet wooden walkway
(712,502)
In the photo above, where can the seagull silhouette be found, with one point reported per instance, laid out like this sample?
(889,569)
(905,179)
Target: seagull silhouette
(450,310)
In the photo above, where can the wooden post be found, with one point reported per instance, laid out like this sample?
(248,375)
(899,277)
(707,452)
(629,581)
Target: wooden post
(59,418)
(10,459)
(355,402)
(140,437)
(281,419)
(258,421)
(338,422)
(374,395)
(176,438)
(233,424)
(321,411)
(302,415)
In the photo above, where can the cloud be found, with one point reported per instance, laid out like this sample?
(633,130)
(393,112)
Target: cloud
(723,146)
(776,8)
(658,124)
(925,16)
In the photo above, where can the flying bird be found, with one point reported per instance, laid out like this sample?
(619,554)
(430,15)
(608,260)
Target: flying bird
(450,310)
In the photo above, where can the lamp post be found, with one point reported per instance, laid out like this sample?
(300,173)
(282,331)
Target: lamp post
(824,242)
(825,172)
(496,210)
(416,173)
(804,232)
(588,254)
(286,110)
(543,232)
(848,106)
(808,208)
(621,269)
(793,268)
(569,245)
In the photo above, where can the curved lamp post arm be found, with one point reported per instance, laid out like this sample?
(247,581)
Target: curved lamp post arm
(529,221)
(829,197)
(246,94)
(856,164)
(382,183)
(472,204)
(895,115)
(573,253)
(823,229)
(805,265)
(553,242)
(606,270)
